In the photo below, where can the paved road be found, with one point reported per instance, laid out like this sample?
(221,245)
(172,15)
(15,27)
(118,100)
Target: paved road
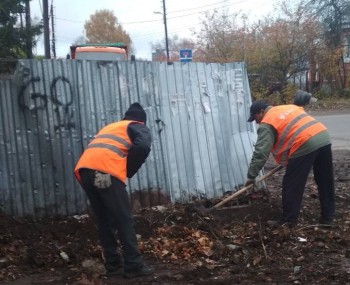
(339,128)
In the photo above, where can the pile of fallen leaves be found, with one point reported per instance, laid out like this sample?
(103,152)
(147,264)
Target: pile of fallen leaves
(178,244)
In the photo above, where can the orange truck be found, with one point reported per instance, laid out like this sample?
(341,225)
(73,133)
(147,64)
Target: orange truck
(111,52)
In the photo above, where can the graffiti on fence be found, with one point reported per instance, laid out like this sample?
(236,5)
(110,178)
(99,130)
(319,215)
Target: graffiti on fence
(32,98)
(63,108)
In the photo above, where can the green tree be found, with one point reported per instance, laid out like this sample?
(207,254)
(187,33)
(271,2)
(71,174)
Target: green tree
(17,39)
(103,27)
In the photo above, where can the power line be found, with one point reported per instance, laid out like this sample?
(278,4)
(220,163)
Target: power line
(155,35)
(169,18)
(149,35)
(72,21)
(204,6)
(81,22)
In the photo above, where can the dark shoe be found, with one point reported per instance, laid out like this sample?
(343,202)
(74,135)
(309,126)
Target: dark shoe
(114,269)
(137,272)
(273,223)
(281,223)
(326,222)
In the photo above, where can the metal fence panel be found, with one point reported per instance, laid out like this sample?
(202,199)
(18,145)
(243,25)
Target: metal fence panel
(51,109)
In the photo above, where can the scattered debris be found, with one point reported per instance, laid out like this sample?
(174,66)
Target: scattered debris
(233,245)
(300,239)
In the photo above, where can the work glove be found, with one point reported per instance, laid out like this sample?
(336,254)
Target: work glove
(249,181)
(102,180)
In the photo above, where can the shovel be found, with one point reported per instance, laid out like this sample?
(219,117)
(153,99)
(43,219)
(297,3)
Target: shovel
(244,189)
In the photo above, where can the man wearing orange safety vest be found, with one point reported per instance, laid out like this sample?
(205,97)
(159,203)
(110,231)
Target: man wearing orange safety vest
(299,142)
(117,151)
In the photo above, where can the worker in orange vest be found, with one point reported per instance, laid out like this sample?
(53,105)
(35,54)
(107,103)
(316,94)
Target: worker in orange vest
(300,142)
(117,151)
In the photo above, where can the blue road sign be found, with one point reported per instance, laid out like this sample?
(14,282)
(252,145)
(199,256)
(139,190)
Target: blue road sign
(185,55)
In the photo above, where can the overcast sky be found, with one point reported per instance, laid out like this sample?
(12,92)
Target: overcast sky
(138,18)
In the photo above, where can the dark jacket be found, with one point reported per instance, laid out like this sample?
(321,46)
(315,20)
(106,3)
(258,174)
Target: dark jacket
(141,138)
(140,135)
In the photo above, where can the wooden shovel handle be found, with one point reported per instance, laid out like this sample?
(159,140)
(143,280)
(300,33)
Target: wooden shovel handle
(244,189)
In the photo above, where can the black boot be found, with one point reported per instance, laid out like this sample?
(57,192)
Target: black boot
(114,269)
(140,271)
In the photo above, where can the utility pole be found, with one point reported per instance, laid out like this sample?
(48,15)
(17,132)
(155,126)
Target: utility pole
(46,28)
(29,44)
(53,32)
(166,31)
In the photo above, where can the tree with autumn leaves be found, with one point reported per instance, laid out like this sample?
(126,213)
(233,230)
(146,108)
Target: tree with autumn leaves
(104,27)
(281,49)
(275,50)
(220,37)
(301,40)
(334,16)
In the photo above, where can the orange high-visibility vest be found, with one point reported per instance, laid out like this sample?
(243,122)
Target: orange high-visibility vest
(108,151)
(294,127)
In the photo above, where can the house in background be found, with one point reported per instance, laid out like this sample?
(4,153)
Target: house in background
(314,79)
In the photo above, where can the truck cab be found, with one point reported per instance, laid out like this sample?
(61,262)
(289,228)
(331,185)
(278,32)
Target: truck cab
(109,52)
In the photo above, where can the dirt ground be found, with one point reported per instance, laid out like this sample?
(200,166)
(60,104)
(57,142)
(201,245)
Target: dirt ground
(189,245)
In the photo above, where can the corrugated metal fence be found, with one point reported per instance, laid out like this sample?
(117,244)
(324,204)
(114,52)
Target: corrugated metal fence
(51,109)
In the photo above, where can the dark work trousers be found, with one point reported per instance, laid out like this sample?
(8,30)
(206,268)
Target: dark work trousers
(295,178)
(112,209)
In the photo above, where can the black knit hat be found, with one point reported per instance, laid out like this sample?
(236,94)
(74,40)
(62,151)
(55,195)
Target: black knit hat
(135,113)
